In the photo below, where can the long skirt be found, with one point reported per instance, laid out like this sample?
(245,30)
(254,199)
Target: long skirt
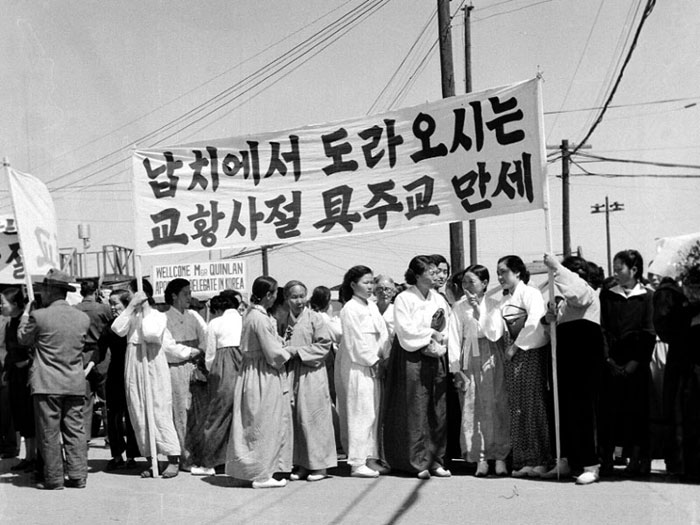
(485,413)
(358,395)
(165,436)
(526,376)
(261,425)
(579,360)
(217,428)
(21,404)
(314,439)
(414,426)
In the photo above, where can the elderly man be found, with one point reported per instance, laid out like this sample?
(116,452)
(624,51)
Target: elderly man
(57,333)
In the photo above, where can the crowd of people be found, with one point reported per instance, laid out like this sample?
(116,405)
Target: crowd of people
(405,378)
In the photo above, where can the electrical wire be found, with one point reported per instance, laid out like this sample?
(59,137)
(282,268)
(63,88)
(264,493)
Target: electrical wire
(600,158)
(301,49)
(578,65)
(647,12)
(194,89)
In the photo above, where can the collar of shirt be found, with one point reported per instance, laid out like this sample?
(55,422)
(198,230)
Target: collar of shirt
(637,290)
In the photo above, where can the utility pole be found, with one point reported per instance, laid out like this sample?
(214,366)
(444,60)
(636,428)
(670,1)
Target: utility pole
(607,208)
(468,89)
(448,90)
(566,148)
(565,210)
(265,265)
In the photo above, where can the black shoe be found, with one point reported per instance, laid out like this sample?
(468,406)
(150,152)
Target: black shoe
(24,464)
(114,464)
(131,464)
(75,483)
(47,486)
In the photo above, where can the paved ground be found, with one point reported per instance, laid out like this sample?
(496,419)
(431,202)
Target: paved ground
(124,497)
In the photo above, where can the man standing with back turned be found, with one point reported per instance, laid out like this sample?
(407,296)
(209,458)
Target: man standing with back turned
(57,333)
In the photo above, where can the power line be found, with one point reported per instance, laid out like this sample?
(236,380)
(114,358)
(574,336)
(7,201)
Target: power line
(203,84)
(600,158)
(578,65)
(647,11)
(512,10)
(327,32)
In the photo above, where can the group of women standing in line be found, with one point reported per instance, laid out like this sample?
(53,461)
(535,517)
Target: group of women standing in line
(391,389)
(279,387)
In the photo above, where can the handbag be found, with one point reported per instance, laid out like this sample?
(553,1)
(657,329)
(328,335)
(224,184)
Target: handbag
(515,317)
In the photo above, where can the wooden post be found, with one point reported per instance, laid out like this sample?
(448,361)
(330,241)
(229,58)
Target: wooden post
(448,90)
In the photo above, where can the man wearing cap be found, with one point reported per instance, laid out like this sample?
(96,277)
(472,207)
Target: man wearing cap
(57,380)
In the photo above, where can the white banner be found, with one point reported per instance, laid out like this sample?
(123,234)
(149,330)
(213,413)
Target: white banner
(460,158)
(36,222)
(11,264)
(207,279)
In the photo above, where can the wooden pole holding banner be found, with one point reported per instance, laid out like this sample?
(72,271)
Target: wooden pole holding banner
(27,275)
(150,417)
(473,256)
(549,248)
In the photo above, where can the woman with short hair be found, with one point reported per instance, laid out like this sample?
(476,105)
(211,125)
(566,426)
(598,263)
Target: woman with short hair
(626,316)
(414,426)
(476,356)
(307,333)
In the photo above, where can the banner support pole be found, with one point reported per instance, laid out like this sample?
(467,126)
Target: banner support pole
(550,273)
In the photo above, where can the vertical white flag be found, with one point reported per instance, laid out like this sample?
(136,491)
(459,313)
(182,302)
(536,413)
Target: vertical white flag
(36,222)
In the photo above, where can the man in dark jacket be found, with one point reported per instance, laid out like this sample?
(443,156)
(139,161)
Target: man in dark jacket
(100,316)
(57,381)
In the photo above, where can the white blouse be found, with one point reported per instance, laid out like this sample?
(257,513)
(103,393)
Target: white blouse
(530,302)
(222,332)
(465,330)
(413,315)
(364,335)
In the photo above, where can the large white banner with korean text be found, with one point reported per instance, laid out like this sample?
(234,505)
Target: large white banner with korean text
(35,220)
(465,157)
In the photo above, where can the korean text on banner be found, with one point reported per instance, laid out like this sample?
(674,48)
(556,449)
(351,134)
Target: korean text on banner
(36,222)
(460,158)
(11,263)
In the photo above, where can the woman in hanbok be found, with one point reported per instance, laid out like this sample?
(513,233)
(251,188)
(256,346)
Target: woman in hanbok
(261,426)
(626,317)
(222,360)
(527,353)
(414,425)
(140,323)
(120,432)
(307,333)
(476,356)
(363,345)
(185,354)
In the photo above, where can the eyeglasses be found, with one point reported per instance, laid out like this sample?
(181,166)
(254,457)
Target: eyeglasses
(381,289)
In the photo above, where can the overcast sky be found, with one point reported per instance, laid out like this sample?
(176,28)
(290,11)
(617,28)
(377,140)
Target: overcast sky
(83,80)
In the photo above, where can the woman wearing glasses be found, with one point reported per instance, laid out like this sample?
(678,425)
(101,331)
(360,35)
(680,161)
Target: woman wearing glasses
(523,307)
(414,411)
